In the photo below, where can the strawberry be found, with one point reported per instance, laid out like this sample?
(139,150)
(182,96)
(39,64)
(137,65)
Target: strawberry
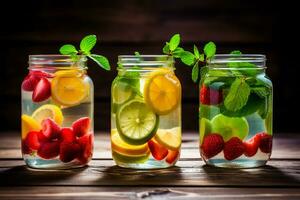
(210,96)
(42,90)
(233,148)
(265,142)
(69,151)
(86,145)
(50,129)
(49,150)
(25,148)
(158,151)
(32,140)
(251,146)
(41,74)
(212,145)
(81,126)
(30,82)
(172,156)
(67,135)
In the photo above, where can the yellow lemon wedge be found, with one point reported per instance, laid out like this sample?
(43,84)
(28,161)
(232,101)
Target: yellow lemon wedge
(29,124)
(68,89)
(169,138)
(162,91)
(48,111)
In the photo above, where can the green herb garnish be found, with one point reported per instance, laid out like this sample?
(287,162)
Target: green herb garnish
(86,45)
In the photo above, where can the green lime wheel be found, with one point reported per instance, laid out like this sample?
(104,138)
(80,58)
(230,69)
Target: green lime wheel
(136,122)
(121,92)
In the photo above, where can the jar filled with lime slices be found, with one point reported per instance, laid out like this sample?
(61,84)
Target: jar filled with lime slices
(57,112)
(236,111)
(146,112)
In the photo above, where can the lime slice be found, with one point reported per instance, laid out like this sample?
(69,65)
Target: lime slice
(136,123)
(205,128)
(130,159)
(121,92)
(169,138)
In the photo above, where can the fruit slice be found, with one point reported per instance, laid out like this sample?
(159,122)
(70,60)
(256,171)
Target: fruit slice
(265,142)
(172,157)
(42,90)
(162,91)
(121,92)
(81,126)
(29,124)
(68,89)
(233,148)
(130,158)
(48,111)
(67,135)
(49,150)
(69,151)
(86,144)
(32,140)
(212,145)
(118,145)
(230,126)
(158,151)
(25,148)
(205,128)
(251,146)
(50,129)
(136,123)
(169,138)
(208,112)
(29,83)
(210,96)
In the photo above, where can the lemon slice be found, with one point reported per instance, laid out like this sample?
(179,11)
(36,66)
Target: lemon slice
(130,159)
(162,91)
(67,88)
(48,111)
(118,145)
(29,124)
(169,138)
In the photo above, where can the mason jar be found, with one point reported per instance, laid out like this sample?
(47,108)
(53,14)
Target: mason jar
(57,113)
(235,114)
(145,112)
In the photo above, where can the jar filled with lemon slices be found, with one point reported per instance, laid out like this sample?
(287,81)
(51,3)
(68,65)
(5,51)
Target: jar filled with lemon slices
(146,112)
(57,113)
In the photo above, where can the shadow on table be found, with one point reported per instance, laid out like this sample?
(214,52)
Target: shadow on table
(262,176)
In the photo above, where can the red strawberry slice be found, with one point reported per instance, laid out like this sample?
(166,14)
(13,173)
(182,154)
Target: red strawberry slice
(41,74)
(265,142)
(172,156)
(233,148)
(251,146)
(86,144)
(50,129)
(67,135)
(29,83)
(158,151)
(81,126)
(49,150)
(210,96)
(42,90)
(212,145)
(32,140)
(69,151)
(25,148)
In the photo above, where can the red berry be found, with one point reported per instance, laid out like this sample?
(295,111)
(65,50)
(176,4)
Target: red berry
(210,96)
(265,142)
(172,156)
(69,151)
(81,126)
(67,135)
(86,145)
(251,146)
(158,151)
(30,82)
(233,148)
(50,129)
(25,148)
(32,140)
(42,90)
(49,150)
(41,74)
(212,145)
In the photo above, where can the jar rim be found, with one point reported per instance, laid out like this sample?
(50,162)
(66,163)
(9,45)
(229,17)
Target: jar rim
(128,61)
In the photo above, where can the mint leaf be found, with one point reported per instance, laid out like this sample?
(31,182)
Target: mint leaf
(177,52)
(238,95)
(196,52)
(236,52)
(166,48)
(174,42)
(87,43)
(187,58)
(101,61)
(137,54)
(201,57)
(210,49)
(68,49)
(195,72)
(260,91)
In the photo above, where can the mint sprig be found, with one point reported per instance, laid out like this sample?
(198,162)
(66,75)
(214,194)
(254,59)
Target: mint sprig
(86,45)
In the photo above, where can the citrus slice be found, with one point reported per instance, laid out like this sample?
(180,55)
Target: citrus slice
(169,138)
(29,124)
(121,92)
(67,88)
(130,159)
(205,128)
(48,111)
(118,145)
(136,123)
(162,91)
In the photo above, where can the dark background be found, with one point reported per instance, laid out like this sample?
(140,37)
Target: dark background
(41,27)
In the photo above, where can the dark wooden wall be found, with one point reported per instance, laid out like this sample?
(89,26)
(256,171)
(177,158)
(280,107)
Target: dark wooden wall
(41,27)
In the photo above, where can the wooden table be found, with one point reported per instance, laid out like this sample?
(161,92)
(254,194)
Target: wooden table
(280,179)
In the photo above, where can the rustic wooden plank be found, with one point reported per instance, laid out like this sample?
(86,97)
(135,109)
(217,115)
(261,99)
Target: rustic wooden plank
(39,192)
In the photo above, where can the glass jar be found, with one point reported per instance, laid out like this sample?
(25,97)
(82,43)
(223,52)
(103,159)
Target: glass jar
(145,112)
(236,112)
(57,113)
